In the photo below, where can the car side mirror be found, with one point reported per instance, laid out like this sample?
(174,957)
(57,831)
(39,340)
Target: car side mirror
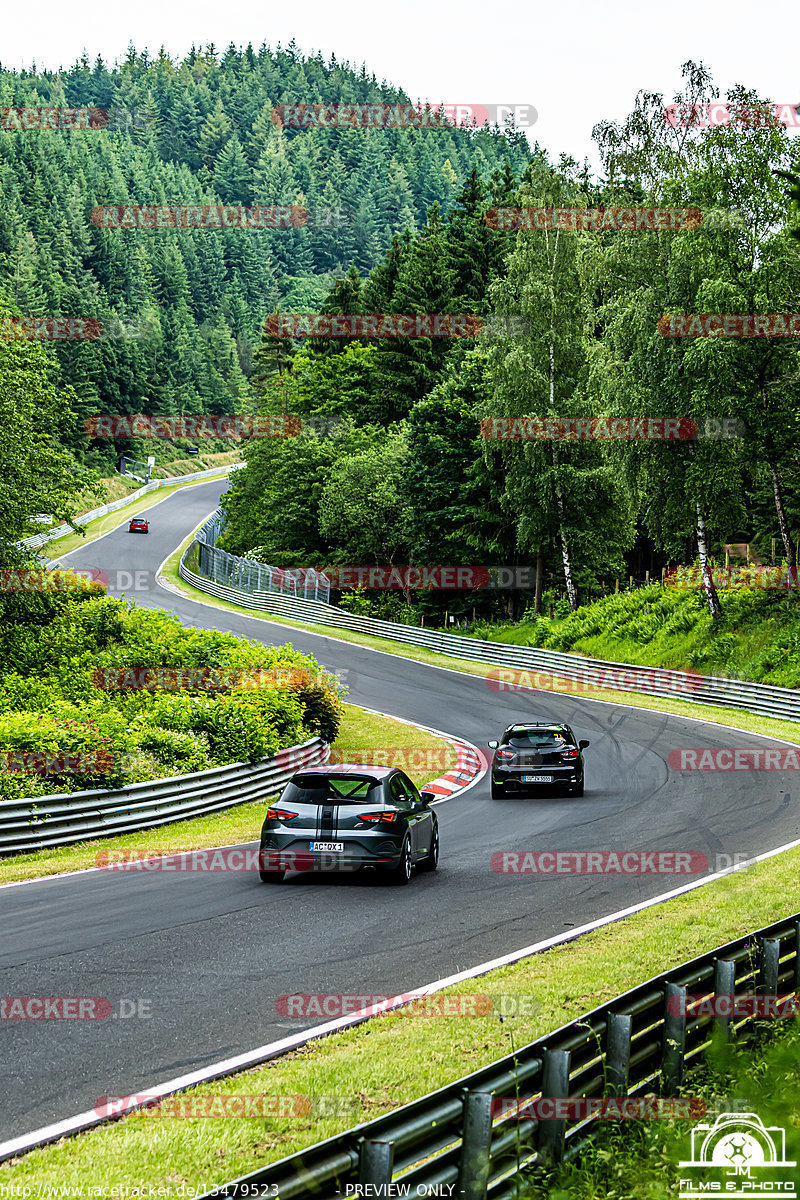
(427,797)
(583,745)
(492,745)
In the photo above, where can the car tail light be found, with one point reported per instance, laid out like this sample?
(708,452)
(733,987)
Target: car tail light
(506,753)
(570,754)
(280,814)
(376,817)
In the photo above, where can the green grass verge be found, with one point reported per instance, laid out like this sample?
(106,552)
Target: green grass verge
(397,1057)
(360,731)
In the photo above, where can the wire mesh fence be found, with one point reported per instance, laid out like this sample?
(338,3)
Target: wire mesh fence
(247,575)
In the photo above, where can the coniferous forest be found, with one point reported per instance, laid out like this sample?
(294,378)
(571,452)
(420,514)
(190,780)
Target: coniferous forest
(398,221)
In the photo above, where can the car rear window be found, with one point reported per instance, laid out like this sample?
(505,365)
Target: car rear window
(539,737)
(332,789)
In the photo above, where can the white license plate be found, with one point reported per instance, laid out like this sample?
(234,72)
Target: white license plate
(537,778)
(327,847)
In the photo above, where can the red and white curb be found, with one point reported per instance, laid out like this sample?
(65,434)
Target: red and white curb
(471,764)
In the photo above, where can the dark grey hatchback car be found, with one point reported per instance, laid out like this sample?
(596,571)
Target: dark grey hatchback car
(347,817)
(531,756)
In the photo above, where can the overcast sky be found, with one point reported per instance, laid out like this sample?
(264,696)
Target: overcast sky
(576,62)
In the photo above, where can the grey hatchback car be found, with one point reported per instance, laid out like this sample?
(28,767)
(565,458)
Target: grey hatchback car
(347,817)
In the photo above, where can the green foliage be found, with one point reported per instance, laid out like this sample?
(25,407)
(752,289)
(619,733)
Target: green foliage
(37,475)
(61,698)
(362,509)
(757,638)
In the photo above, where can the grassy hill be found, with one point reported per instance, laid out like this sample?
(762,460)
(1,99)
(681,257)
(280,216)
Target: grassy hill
(758,637)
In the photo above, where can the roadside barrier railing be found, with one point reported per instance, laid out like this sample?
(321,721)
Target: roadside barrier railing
(583,676)
(640,1044)
(59,820)
(41,539)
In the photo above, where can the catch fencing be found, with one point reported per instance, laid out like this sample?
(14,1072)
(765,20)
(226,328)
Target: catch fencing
(589,675)
(454,1141)
(74,817)
(230,571)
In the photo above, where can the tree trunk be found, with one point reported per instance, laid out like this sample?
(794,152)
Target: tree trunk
(777,491)
(715,608)
(783,524)
(537,595)
(572,593)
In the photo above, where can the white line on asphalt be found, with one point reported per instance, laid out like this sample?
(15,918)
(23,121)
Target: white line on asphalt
(469,674)
(91,541)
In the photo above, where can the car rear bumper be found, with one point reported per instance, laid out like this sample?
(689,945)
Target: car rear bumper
(536,777)
(294,855)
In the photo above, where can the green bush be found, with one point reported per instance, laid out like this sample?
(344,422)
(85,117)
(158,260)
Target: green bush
(179,753)
(61,695)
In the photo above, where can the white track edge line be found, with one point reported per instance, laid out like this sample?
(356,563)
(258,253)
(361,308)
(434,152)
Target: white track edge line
(93,540)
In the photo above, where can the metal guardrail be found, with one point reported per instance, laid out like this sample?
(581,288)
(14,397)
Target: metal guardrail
(61,819)
(252,577)
(640,1043)
(556,671)
(40,539)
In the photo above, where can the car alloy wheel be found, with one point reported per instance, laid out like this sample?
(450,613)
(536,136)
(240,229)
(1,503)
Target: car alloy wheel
(401,874)
(268,876)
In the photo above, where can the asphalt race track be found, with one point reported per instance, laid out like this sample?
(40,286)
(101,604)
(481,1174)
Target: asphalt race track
(209,953)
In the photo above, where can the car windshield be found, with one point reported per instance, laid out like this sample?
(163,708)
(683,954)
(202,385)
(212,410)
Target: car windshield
(332,789)
(538,737)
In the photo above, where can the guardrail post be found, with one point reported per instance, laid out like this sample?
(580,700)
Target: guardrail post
(674,1037)
(473,1170)
(375,1162)
(555,1084)
(797,956)
(618,1052)
(770,965)
(724,984)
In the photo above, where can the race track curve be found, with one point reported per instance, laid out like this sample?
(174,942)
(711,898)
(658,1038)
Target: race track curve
(210,952)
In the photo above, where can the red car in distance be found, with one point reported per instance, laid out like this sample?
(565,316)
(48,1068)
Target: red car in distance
(137,525)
